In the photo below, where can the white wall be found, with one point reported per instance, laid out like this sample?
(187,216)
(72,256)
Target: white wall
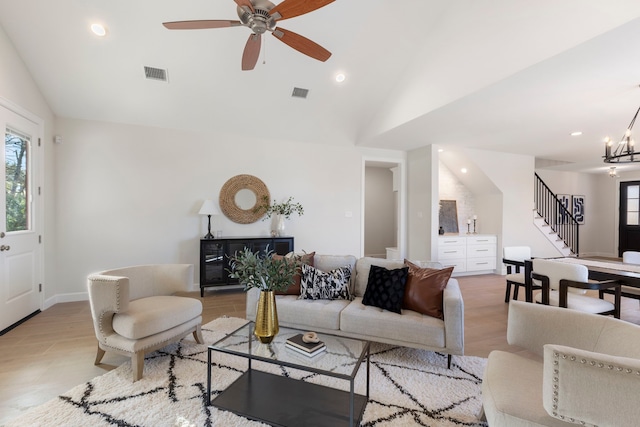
(380,211)
(422,203)
(130,194)
(17,87)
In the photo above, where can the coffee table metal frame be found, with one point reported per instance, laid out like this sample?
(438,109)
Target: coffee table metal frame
(262,396)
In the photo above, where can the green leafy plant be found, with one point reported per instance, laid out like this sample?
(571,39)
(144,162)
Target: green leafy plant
(286,209)
(262,271)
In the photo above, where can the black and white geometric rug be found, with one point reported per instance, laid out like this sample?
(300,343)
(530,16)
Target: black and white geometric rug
(408,387)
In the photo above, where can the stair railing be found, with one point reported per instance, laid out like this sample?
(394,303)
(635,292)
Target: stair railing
(556,215)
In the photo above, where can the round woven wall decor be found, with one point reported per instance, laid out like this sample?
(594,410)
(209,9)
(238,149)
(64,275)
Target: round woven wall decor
(228,203)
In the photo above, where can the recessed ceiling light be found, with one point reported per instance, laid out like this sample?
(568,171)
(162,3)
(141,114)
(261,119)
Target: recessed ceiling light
(463,170)
(440,150)
(340,77)
(578,133)
(99,30)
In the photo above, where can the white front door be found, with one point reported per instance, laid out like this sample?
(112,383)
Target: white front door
(20,262)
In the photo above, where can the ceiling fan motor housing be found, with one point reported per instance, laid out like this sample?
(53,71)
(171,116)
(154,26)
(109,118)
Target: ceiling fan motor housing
(259,21)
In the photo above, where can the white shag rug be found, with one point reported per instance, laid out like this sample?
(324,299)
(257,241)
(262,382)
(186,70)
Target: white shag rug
(408,387)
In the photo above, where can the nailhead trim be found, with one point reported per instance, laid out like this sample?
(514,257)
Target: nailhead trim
(117,310)
(557,355)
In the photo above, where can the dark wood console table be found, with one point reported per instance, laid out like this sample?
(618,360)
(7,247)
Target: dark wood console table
(215,253)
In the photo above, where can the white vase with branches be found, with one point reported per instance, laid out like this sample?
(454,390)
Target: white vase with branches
(280,211)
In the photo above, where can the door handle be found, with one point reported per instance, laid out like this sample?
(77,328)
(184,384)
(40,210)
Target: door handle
(4,248)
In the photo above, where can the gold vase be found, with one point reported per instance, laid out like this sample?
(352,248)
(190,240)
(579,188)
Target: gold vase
(266,317)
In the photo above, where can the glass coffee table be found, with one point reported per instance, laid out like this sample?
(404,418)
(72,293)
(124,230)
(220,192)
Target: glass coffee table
(281,400)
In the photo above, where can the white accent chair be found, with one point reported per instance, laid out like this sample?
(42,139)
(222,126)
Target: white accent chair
(565,285)
(515,256)
(135,312)
(583,370)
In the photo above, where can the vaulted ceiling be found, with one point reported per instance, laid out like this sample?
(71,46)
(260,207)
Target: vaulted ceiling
(508,75)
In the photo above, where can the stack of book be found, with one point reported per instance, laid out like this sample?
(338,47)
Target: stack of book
(308,348)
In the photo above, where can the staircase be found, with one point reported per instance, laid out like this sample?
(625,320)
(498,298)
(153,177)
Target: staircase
(554,220)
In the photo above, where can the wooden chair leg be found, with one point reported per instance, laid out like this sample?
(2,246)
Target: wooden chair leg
(137,365)
(99,355)
(515,291)
(197,335)
(449,361)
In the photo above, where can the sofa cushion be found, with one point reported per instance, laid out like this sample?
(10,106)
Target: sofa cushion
(512,392)
(151,315)
(424,289)
(309,314)
(408,327)
(385,288)
(317,284)
(294,289)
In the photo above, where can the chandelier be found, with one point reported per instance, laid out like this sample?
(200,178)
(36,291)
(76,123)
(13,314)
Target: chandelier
(625,151)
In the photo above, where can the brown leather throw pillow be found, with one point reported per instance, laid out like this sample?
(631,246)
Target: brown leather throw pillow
(424,289)
(294,289)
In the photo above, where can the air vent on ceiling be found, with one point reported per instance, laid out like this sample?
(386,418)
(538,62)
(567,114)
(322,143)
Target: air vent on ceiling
(152,73)
(298,92)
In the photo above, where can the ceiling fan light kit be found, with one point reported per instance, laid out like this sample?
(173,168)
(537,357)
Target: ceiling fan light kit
(261,16)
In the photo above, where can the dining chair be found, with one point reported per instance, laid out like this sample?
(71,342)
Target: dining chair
(565,285)
(628,257)
(631,257)
(515,256)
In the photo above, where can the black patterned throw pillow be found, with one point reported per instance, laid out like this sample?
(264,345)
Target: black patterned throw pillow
(317,284)
(385,288)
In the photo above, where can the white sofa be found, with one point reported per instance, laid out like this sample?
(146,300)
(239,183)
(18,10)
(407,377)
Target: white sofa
(584,369)
(353,319)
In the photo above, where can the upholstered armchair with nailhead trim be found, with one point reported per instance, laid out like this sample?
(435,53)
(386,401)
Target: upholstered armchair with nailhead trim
(582,369)
(135,311)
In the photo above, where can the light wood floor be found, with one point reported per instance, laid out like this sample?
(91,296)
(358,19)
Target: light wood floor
(54,351)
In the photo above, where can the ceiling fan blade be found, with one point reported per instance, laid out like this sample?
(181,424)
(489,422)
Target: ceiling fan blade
(201,24)
(245,3)
(251,52)
(302,44)
(290,8)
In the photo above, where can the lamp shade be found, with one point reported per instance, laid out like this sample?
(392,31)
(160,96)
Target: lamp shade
(208,208)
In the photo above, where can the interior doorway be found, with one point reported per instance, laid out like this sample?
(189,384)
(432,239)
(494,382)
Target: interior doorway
(382,236)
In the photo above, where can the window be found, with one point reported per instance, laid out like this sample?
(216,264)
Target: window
(16,159)
(633,205)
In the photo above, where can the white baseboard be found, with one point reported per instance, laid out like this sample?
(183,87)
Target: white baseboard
(73,297)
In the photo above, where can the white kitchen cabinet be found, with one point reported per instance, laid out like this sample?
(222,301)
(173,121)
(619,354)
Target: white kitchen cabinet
(468,254)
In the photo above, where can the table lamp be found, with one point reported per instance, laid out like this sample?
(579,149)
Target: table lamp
(208,208)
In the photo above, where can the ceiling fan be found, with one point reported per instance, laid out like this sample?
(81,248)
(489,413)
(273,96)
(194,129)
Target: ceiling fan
(261,16)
